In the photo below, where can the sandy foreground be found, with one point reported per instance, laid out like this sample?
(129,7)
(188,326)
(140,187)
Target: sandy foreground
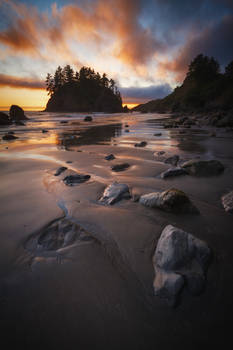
(97,293)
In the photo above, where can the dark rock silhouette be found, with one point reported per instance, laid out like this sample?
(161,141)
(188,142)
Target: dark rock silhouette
(4,119)
(17,113)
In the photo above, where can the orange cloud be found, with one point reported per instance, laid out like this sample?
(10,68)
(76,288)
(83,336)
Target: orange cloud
(16,82)
(35,33)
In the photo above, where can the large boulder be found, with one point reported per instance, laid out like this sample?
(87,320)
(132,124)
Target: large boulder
(171,200)
(203,167)
(180,260)
(4,119)
(114,193)
(17,113)
(227,202)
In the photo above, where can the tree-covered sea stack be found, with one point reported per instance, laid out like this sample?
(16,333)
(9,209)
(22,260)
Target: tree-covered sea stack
(83,91)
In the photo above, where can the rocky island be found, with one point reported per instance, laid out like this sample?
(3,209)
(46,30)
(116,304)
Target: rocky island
(83,91)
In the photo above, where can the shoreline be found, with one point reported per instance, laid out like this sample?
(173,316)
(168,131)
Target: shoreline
(100,291)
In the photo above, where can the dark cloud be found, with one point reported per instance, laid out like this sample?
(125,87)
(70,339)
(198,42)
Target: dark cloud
(144,94)
(16,82)
(215,40)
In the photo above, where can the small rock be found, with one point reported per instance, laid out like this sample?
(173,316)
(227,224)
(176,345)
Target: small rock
(10,133)
(60,170)
(110,157)
(114,193)
(203,167)
(126,130)
(69,161)
(63,121)
(88,118)
(72,180)
(180,259)
(140,144)
(120,167)
(126,126)
(172,160)
(9,137)
(171,200)
(173,172)
(160,153)
(227,202)
(158,134)
(44,131)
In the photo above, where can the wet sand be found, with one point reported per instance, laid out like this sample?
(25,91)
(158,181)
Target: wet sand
(98,291)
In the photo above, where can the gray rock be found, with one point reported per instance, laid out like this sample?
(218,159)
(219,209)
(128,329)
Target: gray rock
(17,113)
(114,193)
(203,167)
(180,260)
(172,160)
(4,119)
(158,134)
(171,200)
(227,202)
(72,180)
(88,118)
(173,172)
(109,157)
(120,167)
(60,170)
(140,144)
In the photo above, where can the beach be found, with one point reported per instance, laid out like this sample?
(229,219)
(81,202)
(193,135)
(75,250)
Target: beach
(97,291)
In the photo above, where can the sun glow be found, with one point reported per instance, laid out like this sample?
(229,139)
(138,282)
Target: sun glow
(28,99)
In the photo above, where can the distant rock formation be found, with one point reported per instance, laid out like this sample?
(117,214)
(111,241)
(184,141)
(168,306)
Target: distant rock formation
(83,91)
(17,113)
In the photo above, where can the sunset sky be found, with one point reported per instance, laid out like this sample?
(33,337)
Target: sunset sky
(145,45)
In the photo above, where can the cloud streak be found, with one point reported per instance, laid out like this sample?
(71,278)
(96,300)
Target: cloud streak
(16,82)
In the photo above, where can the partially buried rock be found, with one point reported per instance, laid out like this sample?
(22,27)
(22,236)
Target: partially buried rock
(4,119)
(173,172)
(180,260)
(109,157)
(120,167)
(44,131)
(172,160)
(114,193)
(72,180)
(227,202)
(171,200)
(140,144)
(203,167)
(60,170)
(88,118)
(158,134)
(17,113)
(9,137)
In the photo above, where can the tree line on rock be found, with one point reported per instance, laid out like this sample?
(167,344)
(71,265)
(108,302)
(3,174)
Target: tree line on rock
(82,91)
(204,88)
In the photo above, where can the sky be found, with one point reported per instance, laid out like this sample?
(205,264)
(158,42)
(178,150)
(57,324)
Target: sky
(144,45)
